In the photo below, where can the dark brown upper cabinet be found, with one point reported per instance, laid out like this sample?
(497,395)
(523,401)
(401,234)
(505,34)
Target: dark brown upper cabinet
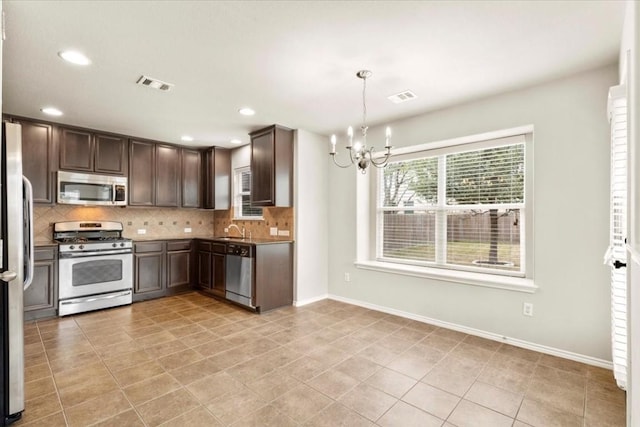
(190,178)
(82,150)
(272,167)
(142,173)
(37,159)
(167,176)
(216,178)
(110,154)
(154,175)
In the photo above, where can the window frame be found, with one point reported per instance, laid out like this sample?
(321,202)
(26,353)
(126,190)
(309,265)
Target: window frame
(238,193)
(368,225)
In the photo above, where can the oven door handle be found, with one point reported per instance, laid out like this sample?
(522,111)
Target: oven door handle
(95,298)
(95,253)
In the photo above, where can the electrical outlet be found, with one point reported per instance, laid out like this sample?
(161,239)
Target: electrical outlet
(283,233)
(226,230)
(527,309)
(347,277)
(142,231)
(187,230)
(273,231)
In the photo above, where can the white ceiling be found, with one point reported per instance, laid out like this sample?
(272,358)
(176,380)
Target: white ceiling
(294,62)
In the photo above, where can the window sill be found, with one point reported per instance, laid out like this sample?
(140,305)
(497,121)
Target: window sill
(510,283)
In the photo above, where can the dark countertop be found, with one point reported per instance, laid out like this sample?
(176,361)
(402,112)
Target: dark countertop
(143,238)
(44,242)
(254,241)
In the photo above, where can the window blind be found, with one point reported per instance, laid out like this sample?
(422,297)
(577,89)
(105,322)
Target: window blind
(457,209)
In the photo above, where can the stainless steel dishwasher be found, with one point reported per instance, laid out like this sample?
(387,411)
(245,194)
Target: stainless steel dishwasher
(239,273)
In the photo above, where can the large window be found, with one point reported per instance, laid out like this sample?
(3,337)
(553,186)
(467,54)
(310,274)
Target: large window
(242,195)
(460,207)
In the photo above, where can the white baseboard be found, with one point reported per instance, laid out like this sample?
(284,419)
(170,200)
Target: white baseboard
(300,303)
(479,333)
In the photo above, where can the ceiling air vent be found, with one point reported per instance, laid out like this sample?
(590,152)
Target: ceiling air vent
(154,83)
(407,95)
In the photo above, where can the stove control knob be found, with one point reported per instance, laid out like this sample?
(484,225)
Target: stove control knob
(114,245)
(72,247)
(122,245)
(81,247)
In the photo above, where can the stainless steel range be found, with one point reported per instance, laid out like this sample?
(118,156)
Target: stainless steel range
(95,266)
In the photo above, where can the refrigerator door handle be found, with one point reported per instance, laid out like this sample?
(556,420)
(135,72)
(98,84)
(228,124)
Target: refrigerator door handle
(7,276)
(28,218)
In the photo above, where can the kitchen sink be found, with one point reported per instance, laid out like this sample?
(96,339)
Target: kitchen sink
(229,238)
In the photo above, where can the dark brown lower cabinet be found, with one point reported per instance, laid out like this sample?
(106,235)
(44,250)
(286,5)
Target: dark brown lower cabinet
(148,270)
(204,266)
(161,268)
(41,298)
(178,266)
(273,279)
(211,267)
(218,276)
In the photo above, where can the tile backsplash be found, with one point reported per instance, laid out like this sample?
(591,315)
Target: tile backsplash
(281,218)
(161,223)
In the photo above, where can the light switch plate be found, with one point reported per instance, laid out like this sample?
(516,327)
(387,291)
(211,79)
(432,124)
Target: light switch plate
(187,230)
(273,231)
(142,231)
(283,233)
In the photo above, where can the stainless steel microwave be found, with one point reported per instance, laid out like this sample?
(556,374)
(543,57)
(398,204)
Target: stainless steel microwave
(90,189)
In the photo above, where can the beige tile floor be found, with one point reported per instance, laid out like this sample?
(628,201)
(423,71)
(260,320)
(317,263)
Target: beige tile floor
(189,360)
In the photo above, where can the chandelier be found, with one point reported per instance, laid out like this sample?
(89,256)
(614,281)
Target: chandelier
(359,153)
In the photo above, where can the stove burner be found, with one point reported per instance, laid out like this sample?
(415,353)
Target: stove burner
(73,240)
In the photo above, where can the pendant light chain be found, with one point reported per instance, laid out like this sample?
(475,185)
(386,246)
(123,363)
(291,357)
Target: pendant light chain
(364,106)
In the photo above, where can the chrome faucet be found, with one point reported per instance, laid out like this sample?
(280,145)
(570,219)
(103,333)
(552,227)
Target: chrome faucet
(238,228)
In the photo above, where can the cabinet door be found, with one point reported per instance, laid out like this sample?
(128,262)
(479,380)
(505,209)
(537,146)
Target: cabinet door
(178,268)
(219,261)
(262,169)
(222,178)
(204,270)
(76,150)
(142,173)
(148,272)
(41,298)
(167,176)
(208,179)
(40,294)
(110,154)
(216,178)
(190,178)
(37,152)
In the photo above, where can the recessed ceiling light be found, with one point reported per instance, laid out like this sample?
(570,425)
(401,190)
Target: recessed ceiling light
(245,111)
(51,111)
(74,57)
(187,138)
(235,141)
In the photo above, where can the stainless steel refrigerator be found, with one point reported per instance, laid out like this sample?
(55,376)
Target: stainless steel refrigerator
(16,270)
